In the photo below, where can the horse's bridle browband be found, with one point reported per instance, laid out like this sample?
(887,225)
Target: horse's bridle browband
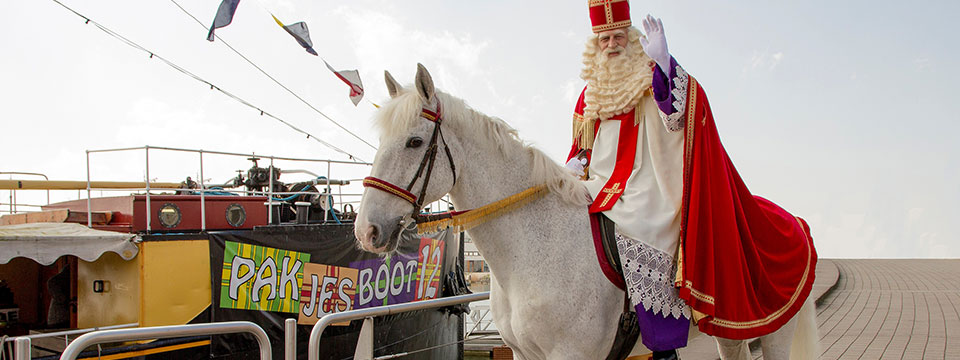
(428,159)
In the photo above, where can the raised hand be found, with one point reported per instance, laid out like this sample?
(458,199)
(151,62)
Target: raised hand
(655,44)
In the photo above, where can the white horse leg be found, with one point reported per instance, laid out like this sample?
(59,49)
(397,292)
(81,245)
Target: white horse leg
(806,339)
(776,345)
(797,339)
(733,349)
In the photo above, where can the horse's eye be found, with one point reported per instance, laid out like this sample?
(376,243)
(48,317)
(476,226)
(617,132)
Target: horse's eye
(414,142)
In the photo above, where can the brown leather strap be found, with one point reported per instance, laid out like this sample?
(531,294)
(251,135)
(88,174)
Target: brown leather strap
(609,234)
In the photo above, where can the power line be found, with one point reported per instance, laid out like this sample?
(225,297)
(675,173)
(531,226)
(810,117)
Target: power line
(134,45)
(272,78)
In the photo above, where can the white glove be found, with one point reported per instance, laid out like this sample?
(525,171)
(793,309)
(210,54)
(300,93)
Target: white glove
(575,166)
(655,45)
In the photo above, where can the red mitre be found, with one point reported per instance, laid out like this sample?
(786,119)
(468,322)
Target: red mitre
(609,14)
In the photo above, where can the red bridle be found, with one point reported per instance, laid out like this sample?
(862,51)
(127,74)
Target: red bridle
(428,159)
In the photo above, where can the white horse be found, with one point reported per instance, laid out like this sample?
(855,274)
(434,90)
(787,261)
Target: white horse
(550,299)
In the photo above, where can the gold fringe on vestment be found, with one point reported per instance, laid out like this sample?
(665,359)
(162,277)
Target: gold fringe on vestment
(583,131)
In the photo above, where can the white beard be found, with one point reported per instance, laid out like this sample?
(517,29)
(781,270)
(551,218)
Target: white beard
(615,85)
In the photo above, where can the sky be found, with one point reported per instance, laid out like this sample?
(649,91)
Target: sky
(842,113)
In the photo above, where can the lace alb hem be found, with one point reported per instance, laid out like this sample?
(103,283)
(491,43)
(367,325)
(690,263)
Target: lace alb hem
(674,121)
(649,277)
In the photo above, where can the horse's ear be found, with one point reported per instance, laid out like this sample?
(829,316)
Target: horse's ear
(393,87)
(425,83)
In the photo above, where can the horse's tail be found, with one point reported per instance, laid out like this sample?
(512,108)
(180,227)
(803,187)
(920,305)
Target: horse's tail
(806,340)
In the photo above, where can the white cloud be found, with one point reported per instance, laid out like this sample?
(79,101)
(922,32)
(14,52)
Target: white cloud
(390,45)
(763,60)
(572,89)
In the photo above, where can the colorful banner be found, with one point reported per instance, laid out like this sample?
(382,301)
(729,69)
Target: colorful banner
(430,264)
(327,289)
(346,278)
(261,278)
(386,281)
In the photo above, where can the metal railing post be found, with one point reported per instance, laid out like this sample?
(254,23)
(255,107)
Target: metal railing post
(146,150)
(329,199)
(203,199)
(364,350)
(313,350)
(162,332)
(270,196)
(290,339)
(22,348)
(89,210)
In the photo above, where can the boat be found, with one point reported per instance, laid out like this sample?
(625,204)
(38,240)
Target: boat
(257,247)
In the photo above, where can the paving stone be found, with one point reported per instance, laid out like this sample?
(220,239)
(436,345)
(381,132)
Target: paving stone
(880,309)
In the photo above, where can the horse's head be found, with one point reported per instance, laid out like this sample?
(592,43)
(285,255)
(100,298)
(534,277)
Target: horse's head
(414,164)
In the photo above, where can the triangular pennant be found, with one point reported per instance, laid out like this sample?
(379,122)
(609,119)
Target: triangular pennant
(351,78)
(299,32)
(224,16)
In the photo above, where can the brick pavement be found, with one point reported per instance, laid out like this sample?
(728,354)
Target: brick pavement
(880,309)
(892,309)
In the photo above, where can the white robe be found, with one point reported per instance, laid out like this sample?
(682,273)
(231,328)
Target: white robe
(649,208)
(647,214)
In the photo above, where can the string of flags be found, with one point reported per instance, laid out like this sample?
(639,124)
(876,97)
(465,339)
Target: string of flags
(299,32)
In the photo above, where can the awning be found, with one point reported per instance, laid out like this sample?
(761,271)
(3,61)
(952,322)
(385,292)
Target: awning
(46,242)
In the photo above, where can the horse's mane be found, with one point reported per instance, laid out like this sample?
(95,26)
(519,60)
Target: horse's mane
(398,116)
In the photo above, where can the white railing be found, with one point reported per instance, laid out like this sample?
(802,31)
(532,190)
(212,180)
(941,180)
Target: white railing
(365,343)
(22,344)
(203,187)
(149,187)
(13,193)
(66,335)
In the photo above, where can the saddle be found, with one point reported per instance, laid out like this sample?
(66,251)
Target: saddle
(605,243)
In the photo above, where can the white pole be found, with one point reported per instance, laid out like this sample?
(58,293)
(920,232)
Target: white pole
(22,348)
(203,198)
(89,212)
(270,194)
(147,152)
(290,339)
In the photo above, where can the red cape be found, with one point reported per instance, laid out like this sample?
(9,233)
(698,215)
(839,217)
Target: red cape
(746,265)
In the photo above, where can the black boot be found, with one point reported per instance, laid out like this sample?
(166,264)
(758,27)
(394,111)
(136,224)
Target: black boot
(665,355)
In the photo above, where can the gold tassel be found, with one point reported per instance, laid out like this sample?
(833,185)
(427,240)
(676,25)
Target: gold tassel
(472,218)
(583,131)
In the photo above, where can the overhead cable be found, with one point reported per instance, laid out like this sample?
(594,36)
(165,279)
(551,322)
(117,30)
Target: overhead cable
(272,78)
(198,78)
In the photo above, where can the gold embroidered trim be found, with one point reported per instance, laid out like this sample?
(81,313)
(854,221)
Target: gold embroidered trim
(776,315)
(593,3)
(616,25)
(687,163)
(699,295)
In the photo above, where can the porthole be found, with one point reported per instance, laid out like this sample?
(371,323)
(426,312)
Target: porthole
(236,215)
(169,215)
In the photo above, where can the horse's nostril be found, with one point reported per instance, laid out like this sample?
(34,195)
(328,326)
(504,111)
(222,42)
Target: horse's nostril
(374,233)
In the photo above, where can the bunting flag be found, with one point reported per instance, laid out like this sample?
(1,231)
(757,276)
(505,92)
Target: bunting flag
(224,16)
(298,31)
(351,78)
